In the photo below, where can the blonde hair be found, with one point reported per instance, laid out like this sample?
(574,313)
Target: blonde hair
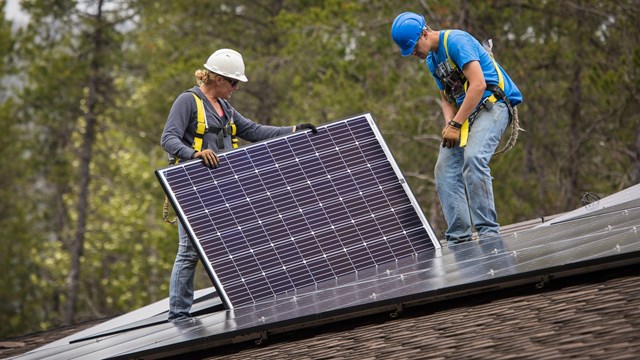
(204,76)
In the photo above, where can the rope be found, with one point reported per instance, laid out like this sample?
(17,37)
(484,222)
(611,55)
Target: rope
(513,137)
(165,212)
(588,198)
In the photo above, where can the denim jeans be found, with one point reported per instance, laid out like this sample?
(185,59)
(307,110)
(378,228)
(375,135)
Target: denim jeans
(182,276)
(463,178)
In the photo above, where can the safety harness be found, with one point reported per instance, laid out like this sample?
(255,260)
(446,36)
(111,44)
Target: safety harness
(201,128)
(221,132)
(455,83)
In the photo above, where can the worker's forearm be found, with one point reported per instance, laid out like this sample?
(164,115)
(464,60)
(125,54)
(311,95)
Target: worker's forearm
(471,100)
(448,111)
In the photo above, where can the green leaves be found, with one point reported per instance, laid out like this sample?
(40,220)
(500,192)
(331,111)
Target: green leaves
(307,61)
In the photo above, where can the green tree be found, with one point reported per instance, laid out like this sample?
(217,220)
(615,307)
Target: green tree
(573,62)
(15,259)
(70,54)
(87,86)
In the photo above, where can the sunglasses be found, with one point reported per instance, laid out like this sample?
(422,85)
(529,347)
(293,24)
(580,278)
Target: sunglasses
(233,82)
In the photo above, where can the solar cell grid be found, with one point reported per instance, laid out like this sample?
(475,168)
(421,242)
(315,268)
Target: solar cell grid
(297,210)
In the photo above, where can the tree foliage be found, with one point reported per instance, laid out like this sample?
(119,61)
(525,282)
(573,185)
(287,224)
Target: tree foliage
(83,100)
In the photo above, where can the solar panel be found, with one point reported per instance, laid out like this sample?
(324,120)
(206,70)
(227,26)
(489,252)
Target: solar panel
(607,238)
(294,211)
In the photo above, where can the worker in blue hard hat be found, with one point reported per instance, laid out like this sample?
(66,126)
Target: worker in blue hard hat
(477,100)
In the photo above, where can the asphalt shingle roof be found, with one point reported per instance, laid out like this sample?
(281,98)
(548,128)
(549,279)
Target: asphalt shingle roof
(593,316)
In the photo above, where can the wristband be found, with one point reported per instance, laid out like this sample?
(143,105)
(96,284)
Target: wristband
(455,124)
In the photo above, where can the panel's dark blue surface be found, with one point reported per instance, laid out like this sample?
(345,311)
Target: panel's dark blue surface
(298,210)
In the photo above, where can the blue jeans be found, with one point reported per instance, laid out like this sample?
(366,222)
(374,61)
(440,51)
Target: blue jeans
(463,178)
(184,270)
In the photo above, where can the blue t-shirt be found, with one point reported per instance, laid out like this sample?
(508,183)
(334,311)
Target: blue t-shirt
(464,48)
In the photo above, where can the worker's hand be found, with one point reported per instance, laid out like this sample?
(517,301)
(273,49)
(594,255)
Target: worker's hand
(312,127)
(209,158)
(450,136)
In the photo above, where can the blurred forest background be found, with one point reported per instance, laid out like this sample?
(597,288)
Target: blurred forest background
(85,88)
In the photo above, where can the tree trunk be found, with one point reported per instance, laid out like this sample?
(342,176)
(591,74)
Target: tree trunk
(77,245)
(573,161)
(575,125)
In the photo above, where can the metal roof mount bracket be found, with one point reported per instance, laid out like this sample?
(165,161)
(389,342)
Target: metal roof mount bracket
(544,280)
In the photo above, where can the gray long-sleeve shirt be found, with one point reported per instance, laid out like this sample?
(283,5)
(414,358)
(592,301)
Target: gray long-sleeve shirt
(180,128)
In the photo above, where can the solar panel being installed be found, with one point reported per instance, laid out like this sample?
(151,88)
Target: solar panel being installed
(298,210)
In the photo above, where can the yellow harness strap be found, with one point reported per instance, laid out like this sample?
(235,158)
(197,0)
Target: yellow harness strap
(464,131)
(234,139)
(201,128)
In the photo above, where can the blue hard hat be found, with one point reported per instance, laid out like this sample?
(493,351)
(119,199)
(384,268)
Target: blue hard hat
(406,30)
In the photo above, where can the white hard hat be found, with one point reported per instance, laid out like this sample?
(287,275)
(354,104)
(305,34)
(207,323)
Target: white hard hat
(227,62)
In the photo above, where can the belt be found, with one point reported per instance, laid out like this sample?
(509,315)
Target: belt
(487,103)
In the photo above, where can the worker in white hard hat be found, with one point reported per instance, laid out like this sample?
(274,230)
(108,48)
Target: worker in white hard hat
(200,124)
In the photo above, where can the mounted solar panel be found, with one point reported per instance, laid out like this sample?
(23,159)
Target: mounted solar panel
(291,212)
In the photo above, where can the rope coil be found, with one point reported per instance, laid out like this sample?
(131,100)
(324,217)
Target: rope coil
(513,137)
(165,212)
